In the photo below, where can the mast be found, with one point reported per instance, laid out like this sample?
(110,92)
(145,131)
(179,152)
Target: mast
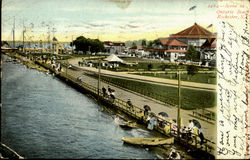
(14,33)
(23,35)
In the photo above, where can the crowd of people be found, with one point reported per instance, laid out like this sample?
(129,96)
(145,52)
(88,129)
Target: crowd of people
(189,132)
(108,93)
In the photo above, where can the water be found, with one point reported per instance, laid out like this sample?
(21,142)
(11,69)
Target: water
(44,118)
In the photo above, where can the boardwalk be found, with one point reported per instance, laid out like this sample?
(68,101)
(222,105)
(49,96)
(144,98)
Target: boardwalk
(138,100)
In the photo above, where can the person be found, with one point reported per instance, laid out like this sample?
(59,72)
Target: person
(152,122)
(160,121)
(104,91)
(112,95)
(174,154)
(109,89)
(174,127)
(190,128)
(145,112)
(129,103)
(201,136)
(184,132)
(190,125)
(117,119)
(80,78)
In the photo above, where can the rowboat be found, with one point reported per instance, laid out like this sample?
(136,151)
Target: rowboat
(148,141)
(128,125)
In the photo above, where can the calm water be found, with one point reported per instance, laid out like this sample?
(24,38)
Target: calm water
(44,118)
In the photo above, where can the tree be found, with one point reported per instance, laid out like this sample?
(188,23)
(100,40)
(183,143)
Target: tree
(133,44)
(150,45)
(192,54)
(150,66)
(143,43)
(85,44)
(192,70)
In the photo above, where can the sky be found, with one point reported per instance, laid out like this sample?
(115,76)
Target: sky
(107,20)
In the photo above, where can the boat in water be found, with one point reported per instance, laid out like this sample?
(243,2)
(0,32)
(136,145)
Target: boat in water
(128,125)
(148,141)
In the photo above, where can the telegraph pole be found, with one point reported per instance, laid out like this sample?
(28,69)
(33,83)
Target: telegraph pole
(72,46)
(179,103)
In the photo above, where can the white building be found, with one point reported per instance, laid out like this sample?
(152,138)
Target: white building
(114,48)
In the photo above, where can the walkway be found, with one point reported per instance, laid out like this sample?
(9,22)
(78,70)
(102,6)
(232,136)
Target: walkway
(161,81)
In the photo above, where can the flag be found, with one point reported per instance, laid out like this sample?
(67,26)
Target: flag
(192,8)
(210,26)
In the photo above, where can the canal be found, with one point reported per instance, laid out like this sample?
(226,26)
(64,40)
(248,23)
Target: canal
(42,117)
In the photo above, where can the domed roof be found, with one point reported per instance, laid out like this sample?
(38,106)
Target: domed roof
(195,31)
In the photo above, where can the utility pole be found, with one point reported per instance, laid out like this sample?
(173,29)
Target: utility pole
(99,77)
(67,65)
(14,33)
(72,45)
(179,104)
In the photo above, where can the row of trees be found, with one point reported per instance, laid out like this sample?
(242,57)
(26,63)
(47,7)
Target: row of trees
(86,44)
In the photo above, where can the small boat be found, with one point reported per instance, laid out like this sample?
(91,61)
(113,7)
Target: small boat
(148,141)
(128,125)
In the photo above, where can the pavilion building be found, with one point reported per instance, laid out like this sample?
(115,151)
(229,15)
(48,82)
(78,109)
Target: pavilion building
(194,35)
(176,45)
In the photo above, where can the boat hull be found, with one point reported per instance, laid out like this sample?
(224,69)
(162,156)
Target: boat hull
(148,141)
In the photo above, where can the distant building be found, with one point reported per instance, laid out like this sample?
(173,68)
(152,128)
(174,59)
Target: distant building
(208,51)
(194,35)
(114,47)
(176,46)
(138,51)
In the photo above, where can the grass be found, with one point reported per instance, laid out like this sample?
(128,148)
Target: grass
(209,78)
(191,99)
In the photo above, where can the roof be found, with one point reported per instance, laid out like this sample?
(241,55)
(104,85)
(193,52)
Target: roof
(172,42)
(195,31)
(113,58)
(176,50)
(108,43)
(136,47)
(210,43)
(167,50)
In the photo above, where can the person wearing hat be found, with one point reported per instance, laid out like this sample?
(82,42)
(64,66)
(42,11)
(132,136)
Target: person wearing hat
(174,154)
(130,106)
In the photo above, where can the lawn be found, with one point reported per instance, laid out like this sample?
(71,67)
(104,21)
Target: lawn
(209,78)
(191,99)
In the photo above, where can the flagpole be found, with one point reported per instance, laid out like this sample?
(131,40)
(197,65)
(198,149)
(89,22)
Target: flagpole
(194,15)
